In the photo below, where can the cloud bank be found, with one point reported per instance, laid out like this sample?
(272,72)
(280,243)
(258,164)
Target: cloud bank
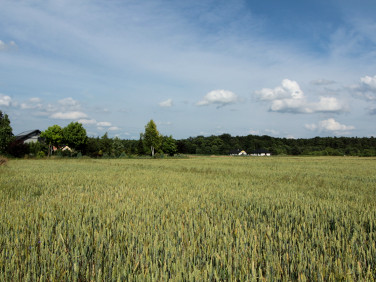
(330,125)
(289,98)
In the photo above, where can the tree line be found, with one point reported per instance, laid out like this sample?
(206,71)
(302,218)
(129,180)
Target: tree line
(152,143)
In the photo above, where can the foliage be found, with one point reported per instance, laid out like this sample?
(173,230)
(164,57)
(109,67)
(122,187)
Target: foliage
(53,136)
(203,219)
(117,147)
(36,147)
(6,134)
(169,145)
(151,137)
(318,146)
(74,135)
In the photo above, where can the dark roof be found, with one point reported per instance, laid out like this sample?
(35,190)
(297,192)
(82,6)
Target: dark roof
(27,134)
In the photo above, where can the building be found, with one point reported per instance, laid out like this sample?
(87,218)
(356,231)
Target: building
(261,153)
(29,136)
(238,152)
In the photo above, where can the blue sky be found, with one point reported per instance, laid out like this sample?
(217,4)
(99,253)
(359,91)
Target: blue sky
(294,69)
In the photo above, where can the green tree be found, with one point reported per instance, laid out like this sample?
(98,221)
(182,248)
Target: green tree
(74,135)
(169,145)
(140,145)
(152,138)
(117,147)
(6,133)
(53,136)
(106,144)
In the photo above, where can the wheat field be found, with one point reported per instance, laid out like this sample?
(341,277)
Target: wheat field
(202,218)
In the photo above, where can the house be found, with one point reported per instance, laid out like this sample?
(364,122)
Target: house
(261,153)
(238,152)
(29,136)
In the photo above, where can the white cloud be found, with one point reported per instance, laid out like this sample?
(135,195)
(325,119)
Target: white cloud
(87,121)
(290,98)
(330,125)
(4,46)
(69,115)
(5,100)
(328,104)
(104,123)
(69,103)
(113,128)
(166,104)
(32,103)
(366,89)
(219,97)
(288,89)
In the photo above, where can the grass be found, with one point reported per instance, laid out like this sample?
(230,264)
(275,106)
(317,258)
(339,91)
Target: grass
(206,218)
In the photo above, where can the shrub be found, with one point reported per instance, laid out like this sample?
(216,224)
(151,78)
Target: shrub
(41,154)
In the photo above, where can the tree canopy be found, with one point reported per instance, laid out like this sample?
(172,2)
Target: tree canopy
(74,135)
(53,136)
(151,137)
(6,132)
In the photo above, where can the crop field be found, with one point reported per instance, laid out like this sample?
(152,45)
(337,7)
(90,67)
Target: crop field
(202,218)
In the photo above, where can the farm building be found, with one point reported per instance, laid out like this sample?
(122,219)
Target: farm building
(29,136)
(261,153)
(238,152)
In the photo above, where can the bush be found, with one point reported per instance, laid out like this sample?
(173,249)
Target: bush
(41,154)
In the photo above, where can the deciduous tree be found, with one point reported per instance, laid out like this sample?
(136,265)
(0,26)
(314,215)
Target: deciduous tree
(74,135)
(53,136)
(152,138)
(6,134)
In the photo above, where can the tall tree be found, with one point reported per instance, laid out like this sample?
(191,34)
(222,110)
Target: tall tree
(169,145)
(152,138)
(53,136)
(74,135)
(117,146)
(6,132)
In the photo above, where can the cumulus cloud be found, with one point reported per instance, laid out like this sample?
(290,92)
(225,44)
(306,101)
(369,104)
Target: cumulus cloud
(5,100)
(329,125)
(104,124)
(290,98)
(218,97)
(113,128)
(366,88)
(7,46)
(166,104)
(73,115)
(32,103)
(87,121)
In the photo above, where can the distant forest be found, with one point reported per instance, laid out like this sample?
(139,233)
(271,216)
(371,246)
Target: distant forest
(223,144)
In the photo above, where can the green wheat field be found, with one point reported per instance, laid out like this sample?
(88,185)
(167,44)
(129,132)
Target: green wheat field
(200,218)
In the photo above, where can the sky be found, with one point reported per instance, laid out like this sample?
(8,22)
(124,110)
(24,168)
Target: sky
(291,69)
